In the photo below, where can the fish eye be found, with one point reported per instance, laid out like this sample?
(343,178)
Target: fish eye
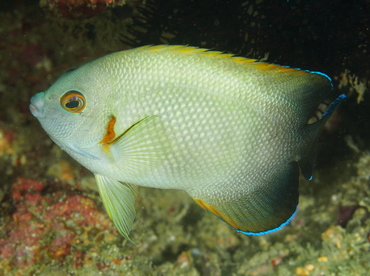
(73,101)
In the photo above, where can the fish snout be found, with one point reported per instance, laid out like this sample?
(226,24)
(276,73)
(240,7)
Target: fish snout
(37,104)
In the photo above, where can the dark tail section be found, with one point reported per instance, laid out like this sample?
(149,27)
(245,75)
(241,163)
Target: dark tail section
(313,130)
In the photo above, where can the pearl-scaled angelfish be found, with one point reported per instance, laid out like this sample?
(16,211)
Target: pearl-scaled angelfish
(231,132)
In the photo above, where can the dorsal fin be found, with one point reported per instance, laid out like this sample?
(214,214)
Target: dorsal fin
(304,88)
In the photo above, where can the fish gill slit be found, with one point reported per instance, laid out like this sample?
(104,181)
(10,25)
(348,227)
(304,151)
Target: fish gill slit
(110,134)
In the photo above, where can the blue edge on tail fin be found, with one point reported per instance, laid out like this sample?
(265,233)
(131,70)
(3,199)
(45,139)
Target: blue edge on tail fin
(334,105)
(330,110)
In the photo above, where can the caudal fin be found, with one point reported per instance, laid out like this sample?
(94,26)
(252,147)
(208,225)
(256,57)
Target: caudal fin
(312,130)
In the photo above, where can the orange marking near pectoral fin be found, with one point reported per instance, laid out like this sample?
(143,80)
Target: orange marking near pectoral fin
(109,135)
(219,214)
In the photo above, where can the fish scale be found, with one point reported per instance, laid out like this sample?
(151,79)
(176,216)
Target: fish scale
(231,132)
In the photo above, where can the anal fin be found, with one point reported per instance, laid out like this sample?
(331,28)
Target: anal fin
(268,208)
(119,202)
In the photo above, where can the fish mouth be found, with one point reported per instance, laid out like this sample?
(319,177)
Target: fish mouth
(34,110)
(36,105)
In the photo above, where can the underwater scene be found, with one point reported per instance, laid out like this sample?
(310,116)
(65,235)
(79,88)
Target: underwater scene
(202,153)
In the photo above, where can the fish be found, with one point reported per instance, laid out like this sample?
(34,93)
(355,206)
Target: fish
(234,133)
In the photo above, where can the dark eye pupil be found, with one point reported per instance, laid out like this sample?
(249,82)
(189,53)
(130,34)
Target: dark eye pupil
(73,101)
(72,104)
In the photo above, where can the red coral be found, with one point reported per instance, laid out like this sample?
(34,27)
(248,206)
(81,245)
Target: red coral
(61,245)
(23,245)
(45,225)
(24,184)
(33,199)
(78,258)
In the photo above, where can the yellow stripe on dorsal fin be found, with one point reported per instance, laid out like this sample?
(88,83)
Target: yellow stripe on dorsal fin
(268,67)
(243,60)
(185,50)
(247,62)
(173,48)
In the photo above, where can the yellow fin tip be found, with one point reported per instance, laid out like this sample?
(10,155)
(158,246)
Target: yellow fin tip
(219,214)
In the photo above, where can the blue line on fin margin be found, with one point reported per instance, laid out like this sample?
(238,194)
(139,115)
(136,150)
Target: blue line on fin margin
(334,104)
(322,74)
(312,72)
(271,230)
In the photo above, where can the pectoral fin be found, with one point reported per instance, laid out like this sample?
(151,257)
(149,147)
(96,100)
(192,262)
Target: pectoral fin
(119,201)
(263,209)
(142,147)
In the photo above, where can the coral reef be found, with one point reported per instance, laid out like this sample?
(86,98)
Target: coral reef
(78,9)
(50,225)
(355,85)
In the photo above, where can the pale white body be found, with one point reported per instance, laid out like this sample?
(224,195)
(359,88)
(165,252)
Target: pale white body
(225,130)
(217,131)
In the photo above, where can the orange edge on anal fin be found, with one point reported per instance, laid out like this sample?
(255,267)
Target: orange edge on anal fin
(219,214)
(109,134)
